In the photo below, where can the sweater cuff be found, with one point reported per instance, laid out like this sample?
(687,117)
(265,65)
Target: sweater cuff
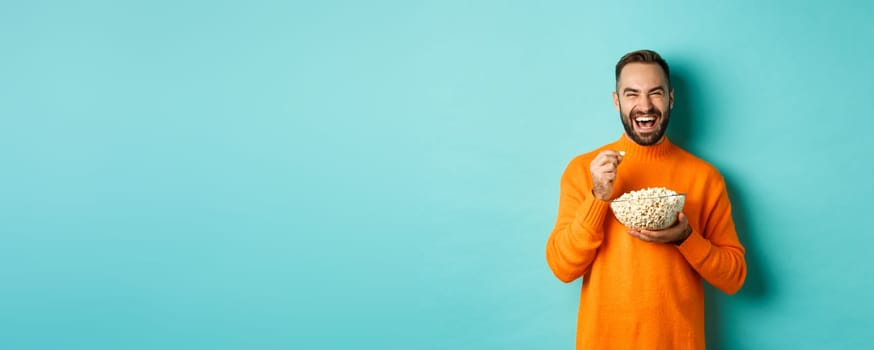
(591,214)
(696,248)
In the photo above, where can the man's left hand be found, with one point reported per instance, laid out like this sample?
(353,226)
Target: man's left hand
(674,234)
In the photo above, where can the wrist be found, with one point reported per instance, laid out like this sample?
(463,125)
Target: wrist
(600,198)
(686,234)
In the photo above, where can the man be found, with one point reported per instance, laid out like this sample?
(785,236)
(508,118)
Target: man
(643,289)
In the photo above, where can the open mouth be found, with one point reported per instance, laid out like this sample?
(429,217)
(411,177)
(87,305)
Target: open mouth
(646,123)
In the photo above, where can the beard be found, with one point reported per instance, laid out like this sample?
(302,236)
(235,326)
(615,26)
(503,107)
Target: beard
(650,138)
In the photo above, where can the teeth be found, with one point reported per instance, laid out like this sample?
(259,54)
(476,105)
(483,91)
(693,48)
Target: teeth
(645,119)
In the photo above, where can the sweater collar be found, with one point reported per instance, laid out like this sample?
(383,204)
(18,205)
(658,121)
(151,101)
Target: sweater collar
(638,152)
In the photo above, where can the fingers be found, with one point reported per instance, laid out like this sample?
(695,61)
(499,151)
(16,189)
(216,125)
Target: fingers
(645,235)
(637,234)
(603,171)
(608,157)
(606,162)
(670,234)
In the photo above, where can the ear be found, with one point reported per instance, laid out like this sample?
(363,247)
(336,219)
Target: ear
(671,94)
(616,100)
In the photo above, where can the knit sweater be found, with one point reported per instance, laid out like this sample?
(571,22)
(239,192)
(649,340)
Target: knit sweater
(637,294)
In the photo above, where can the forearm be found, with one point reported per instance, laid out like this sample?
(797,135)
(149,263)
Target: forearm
(574,241)
(723,266)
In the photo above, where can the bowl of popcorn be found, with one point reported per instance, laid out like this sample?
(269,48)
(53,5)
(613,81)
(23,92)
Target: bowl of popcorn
(654,208)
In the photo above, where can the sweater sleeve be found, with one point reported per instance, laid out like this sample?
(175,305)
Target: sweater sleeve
(714,250)
(578,231)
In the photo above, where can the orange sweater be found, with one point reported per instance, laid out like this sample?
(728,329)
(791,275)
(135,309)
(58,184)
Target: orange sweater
(636,294)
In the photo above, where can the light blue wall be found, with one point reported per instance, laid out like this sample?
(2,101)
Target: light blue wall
(378,175)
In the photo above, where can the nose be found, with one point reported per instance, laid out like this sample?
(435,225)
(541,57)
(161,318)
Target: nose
(645,102)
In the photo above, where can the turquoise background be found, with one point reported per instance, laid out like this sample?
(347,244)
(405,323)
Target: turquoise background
(384,175)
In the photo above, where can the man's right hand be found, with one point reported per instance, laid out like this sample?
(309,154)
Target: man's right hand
(603,169)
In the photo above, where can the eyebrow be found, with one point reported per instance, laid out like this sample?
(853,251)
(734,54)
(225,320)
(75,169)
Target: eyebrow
(657,88)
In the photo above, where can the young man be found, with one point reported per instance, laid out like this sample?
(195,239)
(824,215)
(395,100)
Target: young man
(643,289)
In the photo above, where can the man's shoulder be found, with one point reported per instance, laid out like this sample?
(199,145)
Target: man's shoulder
(702,166)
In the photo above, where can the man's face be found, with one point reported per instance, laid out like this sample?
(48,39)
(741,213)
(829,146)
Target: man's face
(644,101)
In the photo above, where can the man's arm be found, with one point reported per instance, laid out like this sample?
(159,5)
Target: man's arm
(714,250)
(573,243)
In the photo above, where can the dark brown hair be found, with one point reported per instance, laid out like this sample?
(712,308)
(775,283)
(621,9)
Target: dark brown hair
(643,56)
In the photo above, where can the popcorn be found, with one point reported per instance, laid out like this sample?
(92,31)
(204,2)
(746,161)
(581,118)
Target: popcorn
(653,208)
